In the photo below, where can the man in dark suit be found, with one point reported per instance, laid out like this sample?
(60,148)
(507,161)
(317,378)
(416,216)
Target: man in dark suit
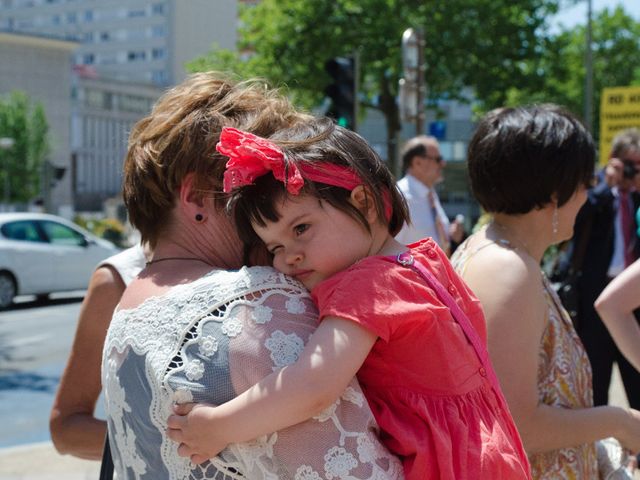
(606,237)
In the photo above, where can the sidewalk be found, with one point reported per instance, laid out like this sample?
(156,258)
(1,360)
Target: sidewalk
(40,461)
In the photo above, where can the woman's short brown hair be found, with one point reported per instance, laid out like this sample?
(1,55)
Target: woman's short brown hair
(179,137)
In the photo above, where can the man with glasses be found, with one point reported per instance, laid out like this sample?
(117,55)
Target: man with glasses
(422,166)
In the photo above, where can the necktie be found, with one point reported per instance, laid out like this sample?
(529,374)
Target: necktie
(441,235)
(627,228)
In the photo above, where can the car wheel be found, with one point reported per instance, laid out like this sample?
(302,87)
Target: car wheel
(7,290)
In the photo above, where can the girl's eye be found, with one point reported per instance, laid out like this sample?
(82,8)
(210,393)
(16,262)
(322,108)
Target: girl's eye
(300,229)
(275,249)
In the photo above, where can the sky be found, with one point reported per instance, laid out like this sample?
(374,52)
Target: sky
(577,14)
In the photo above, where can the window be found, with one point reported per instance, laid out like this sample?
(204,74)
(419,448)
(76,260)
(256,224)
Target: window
(98,99)
(59,234)
(159,77)
(157,31)
(136,13)
(135,56)
(135,103)
(88,16)
(25,231)
(88,58)
(157,53)
(157,9)
(72,17)
(104,36)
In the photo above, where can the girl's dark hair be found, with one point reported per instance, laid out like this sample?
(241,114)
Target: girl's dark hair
(520,157)
(314,142)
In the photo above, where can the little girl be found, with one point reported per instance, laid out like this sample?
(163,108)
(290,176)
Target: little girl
(327,209)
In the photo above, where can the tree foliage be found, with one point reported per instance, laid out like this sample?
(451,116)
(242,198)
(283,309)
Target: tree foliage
(483,44)
(560,70)
(25,122)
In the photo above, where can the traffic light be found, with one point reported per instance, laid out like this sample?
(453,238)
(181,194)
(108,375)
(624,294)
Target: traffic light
(342,91)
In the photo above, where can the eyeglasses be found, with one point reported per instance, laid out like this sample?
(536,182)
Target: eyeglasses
(438,159)
(629,169)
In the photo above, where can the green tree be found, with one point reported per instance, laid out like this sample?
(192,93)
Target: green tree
(483,44)
(25,122)
(560,71)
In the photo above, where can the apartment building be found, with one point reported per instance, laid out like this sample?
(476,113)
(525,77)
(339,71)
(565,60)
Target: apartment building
(119,56)
(104,111)
(142,41)
(41,67)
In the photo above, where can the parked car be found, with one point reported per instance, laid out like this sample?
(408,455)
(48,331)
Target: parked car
(41,254)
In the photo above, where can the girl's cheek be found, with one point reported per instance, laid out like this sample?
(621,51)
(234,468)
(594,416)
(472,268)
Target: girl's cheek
(278,263)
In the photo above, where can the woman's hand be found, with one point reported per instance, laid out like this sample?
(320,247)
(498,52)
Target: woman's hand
(629,435)
(194,428)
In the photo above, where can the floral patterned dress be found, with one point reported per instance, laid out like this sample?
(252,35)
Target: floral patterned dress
(564,380)
(207,341)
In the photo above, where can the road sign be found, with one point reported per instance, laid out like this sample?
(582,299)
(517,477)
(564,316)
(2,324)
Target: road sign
(619,110)
(438,129)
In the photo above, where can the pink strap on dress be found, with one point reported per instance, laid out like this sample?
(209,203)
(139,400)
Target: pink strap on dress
(407,260)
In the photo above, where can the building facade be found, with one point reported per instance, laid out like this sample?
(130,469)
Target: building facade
(42,68)
(98,66)
(104,111)
(142,41)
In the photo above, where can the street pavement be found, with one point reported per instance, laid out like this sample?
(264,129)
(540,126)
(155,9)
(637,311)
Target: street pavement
(40,461)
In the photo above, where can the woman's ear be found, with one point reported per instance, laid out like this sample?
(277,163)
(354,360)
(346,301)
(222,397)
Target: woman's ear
(362,199)
(190,203)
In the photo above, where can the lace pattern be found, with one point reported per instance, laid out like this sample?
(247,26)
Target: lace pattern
(207,342)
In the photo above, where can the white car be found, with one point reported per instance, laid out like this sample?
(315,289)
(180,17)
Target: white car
(41,253)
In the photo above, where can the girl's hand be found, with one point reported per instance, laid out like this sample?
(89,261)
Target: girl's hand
(193,427)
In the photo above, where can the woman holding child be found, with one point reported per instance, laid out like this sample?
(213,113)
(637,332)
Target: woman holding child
(196,327)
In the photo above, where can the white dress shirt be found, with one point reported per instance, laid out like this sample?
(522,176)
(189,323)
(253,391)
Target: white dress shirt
(422,222)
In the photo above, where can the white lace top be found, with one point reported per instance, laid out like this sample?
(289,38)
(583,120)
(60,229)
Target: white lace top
(207,342)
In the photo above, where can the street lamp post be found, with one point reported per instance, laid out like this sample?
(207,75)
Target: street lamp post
(588,79)
(412,85)
(7,143)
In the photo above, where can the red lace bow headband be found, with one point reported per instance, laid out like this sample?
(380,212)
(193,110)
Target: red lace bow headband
(251,157)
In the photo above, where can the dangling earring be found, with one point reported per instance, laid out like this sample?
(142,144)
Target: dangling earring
(199,217)
(554,222)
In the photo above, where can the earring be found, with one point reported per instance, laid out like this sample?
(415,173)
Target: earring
(554,222)
(199,217)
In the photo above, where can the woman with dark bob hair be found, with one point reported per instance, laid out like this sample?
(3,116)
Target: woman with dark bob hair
(530,168)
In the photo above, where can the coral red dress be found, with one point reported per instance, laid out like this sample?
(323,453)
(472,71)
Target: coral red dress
(424,381)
